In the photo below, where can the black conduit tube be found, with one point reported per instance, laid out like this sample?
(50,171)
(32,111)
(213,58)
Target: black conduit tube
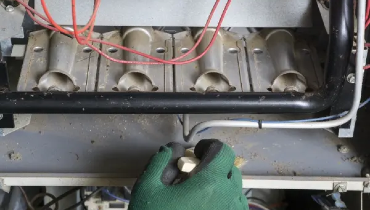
(340,46)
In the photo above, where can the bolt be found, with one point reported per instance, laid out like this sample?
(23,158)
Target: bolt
(367,184)
(343,149)
(9,8)
(351,78)
(341,188)
(367,175)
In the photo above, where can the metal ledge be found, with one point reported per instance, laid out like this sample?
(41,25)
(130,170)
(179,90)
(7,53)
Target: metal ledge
(255,182)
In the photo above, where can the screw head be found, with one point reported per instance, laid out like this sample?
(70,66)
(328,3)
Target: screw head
(343,149)
(9,8)
(367,184)
(341,187)
(351,78)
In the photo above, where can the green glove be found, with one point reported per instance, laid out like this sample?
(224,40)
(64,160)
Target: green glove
(215,184)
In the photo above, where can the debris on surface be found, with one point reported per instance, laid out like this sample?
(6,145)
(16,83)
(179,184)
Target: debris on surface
(14,156)
(358,159)
(343,149)
(283,169)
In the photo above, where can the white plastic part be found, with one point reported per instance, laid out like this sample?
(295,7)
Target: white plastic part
(187,164)
(96,203)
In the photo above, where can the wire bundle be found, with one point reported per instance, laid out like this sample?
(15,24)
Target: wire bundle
(89,27)
(367,14)
(367,19)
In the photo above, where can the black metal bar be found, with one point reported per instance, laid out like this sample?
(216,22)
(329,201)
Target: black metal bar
(340,46)
(6,120)
(344,101)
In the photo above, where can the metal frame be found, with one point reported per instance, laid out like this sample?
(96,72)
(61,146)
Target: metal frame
(339,50)
(257,182)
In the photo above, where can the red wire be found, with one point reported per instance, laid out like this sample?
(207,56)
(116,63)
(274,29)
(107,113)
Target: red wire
(136,52)
(30,9)
(75,29)
(61,29)
(39,22)
(367,10)
(367,14)
(161,61)
(143,54)
(83,40)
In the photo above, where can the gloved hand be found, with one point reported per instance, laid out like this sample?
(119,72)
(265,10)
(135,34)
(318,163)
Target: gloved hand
(215,184)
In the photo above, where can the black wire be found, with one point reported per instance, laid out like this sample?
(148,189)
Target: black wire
(42,195)
(180,120)
(85,199)
(60,197)
(29,204)
(82,195)
(248,191)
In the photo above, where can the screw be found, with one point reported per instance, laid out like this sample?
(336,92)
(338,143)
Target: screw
(9,8)
(341,188)
(351,78)
(367,184)
(343,149)
(1,116)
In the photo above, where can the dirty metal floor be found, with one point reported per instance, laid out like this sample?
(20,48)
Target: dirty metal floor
(124,143)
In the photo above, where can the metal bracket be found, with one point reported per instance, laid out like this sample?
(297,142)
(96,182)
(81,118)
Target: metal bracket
(4,187)
(366,187)
(340,187)
(6,120)
(344,103)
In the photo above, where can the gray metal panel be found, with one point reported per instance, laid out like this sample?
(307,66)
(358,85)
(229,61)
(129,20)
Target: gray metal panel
(11,22)
(242,13)
(124,143)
